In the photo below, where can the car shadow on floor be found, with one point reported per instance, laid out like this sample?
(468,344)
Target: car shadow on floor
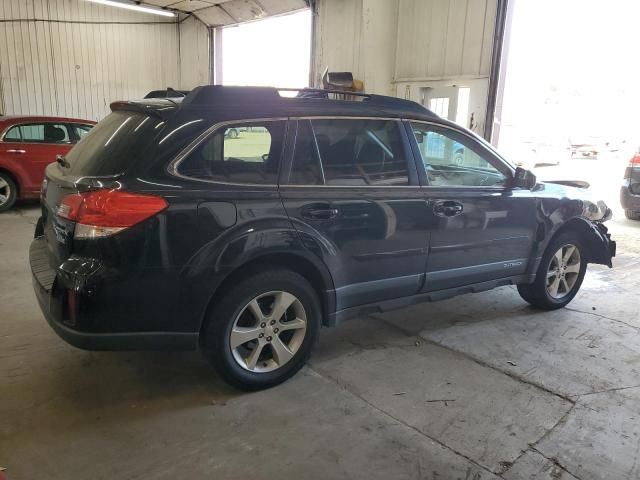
(465,309)
(82,386)
(402,327)
(131,386)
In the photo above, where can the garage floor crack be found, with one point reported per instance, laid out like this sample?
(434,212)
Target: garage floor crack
(346,388)
(485,364)
(603,316)
(615,389)
(532,446)
(555,462)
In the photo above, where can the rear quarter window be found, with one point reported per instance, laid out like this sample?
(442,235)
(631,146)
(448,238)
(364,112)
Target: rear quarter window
(115,144)
(243,153)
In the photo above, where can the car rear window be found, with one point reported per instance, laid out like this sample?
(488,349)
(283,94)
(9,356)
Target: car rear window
(114,144)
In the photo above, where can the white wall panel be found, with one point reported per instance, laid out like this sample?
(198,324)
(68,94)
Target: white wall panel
(404,47)
(378,45)
(444,38)
(337,36)
(357,36)
(73,58)
(194,53)
(405,40)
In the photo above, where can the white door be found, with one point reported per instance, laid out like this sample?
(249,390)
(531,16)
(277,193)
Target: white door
(451,103)
(443,101)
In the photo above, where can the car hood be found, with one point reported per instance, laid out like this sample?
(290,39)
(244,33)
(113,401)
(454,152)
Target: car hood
(593,208)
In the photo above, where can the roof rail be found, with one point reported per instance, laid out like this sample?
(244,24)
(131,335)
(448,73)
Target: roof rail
(219,94)
(370,98)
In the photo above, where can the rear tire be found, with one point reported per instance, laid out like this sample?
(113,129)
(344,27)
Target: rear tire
(631,215)
(559,275)
(262,331)
(8,192)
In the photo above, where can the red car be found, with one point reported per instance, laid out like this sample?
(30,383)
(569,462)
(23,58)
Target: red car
(27,146)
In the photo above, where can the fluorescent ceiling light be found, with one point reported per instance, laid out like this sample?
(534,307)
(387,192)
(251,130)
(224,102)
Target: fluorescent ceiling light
(137,8)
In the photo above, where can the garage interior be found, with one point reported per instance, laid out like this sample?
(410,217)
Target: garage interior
(480,386)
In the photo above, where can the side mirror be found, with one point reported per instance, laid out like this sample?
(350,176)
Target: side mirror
(523,178)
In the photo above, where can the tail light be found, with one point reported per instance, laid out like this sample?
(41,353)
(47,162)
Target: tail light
(101,213)
(635,161)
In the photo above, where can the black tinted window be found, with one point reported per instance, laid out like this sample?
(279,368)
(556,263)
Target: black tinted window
(114,144)
(306,164)
(242,153)
(361,152)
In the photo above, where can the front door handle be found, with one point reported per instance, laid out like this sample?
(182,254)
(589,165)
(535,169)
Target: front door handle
(13,150)
(320,212)
(447,208)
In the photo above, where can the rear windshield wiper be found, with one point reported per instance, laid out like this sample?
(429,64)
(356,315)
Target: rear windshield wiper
(62,161)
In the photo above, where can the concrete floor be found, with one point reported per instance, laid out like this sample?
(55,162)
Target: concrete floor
(477,387)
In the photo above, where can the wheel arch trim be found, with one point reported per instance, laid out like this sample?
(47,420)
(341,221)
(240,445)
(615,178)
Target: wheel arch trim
(601,249)
(298,261)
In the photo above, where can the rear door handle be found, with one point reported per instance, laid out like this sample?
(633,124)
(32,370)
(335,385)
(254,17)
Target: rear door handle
(447,208)
(320,212)
(13,150)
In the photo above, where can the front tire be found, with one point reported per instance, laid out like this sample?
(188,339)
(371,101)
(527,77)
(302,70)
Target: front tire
(631,215)
(8,192)
(559,275)
(263,329)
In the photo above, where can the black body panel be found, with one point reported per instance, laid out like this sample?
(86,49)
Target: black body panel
(364,248)
(630,190)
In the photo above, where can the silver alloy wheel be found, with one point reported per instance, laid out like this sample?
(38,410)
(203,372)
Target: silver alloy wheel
(563,271)
(268,331)
(5,191)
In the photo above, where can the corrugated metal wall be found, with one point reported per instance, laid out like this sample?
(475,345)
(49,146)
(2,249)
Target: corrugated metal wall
(357,36)
(405,40)
(194,53)
(73,58)
(444,38)
(403,47)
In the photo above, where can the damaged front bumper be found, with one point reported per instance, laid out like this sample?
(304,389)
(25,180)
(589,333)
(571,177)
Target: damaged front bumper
(602,248)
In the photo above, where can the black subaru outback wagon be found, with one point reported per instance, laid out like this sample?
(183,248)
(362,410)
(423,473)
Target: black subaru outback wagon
(161,230)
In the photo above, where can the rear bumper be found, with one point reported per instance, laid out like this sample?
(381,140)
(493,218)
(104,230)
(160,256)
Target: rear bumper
(51,300)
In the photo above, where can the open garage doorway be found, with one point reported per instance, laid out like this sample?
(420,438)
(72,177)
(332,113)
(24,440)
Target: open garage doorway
(571,101)
(271,52)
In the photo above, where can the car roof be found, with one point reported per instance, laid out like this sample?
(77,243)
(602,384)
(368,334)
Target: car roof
(11,119)
(266,102)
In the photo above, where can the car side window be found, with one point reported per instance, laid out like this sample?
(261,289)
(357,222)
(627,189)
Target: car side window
(13,134)
(81,130)
(39,133)
(306,169)
(242,153)
(450,159)
(351,153)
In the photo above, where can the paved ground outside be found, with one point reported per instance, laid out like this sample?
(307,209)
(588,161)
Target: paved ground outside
(476,387)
